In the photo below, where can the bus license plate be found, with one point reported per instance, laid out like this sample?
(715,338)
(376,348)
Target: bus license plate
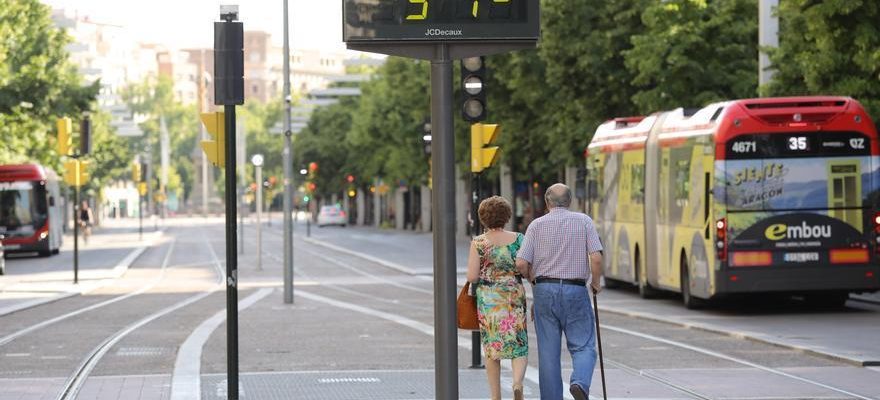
(801,257)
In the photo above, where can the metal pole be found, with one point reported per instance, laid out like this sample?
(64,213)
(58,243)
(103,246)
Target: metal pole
(140,216)
(443,197)
(259,217)
(476,359)
(76,228)
(288,172)
(768,36)
(231,258)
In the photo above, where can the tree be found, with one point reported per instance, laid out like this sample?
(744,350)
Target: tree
(829,47)
(387,125)
(694,52)
(582,45)
(37,83)
(324,142)
(154,99)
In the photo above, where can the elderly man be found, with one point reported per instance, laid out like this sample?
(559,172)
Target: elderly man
(554,256)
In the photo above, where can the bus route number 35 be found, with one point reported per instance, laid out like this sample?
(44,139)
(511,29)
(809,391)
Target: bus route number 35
(744,146)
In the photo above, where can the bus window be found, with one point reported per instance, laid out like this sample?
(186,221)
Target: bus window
(637,183)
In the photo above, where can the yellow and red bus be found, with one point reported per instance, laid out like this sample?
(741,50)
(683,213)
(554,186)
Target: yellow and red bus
(773,195)
(31,217)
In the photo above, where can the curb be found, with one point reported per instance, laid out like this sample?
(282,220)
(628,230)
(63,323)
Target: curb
(744,335)
(117,271)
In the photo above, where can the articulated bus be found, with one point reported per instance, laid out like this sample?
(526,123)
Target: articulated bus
(30,209)
(772,195)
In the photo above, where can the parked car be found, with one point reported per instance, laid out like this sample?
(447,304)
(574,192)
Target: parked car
(2,257)
(332,215)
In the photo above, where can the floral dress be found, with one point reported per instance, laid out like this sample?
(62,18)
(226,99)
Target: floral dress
(501,301)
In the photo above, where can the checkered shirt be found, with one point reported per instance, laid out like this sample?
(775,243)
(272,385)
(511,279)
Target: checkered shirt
(557,245)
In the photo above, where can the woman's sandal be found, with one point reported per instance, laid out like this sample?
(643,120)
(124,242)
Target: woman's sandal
(518,393)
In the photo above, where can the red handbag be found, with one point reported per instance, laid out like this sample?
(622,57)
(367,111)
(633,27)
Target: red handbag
(466,307)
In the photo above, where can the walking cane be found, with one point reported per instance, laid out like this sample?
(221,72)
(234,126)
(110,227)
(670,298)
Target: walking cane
(599,339)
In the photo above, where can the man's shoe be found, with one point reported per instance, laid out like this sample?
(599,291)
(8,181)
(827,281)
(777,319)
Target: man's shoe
(578,392)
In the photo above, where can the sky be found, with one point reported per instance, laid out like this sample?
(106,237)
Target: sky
(314,24)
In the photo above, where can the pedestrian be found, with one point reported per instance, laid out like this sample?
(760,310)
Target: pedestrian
(561,255)
(86,219)
(501,297)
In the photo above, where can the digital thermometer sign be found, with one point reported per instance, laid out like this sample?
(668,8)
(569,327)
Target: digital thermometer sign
(440,20)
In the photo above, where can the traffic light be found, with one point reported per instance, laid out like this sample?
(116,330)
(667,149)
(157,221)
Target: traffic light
(65,128)
(85,135)
(76,172)
(473,88)
(215,149)
(136,172)
(313,167)
(483,157)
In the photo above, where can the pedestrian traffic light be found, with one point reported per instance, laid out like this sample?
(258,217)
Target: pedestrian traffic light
(136,172)
(85,135)
(483,157)
(473,88)
(65,126)
(215,149)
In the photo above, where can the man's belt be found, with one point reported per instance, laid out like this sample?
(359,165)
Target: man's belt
(544,279)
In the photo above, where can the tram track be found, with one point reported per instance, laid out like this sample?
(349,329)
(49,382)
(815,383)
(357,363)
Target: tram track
(82,370)
(78,378)
(683,389)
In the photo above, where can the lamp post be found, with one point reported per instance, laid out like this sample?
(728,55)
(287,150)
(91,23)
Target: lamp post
(257,160)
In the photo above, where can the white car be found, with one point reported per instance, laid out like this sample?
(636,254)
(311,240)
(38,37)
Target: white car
(332,215)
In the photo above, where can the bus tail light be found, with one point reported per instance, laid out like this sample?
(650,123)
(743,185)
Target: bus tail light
(877,234)
(751,259)
(721,238)
(849,256)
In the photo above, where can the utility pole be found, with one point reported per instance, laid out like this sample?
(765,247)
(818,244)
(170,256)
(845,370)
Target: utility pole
(257,160)
(768,36)
(288,171)
(202,133)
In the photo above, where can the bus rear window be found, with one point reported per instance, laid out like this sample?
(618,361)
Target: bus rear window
(816,171)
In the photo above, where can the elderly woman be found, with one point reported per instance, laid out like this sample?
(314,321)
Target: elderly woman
(501,297)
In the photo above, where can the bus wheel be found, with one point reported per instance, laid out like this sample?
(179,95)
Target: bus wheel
(690,302)
(827,299)
(645,289)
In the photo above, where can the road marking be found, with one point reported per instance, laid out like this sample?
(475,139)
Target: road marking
(388,264)
(186,379)
(8,338)
(715,354)
(367,274)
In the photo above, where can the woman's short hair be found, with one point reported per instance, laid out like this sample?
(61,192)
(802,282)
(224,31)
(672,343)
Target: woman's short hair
(494,212)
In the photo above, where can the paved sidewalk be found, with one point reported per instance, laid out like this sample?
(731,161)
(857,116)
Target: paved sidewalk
(31,280)
(849,335)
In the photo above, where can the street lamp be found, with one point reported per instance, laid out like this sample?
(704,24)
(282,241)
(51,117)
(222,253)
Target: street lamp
(257,160)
